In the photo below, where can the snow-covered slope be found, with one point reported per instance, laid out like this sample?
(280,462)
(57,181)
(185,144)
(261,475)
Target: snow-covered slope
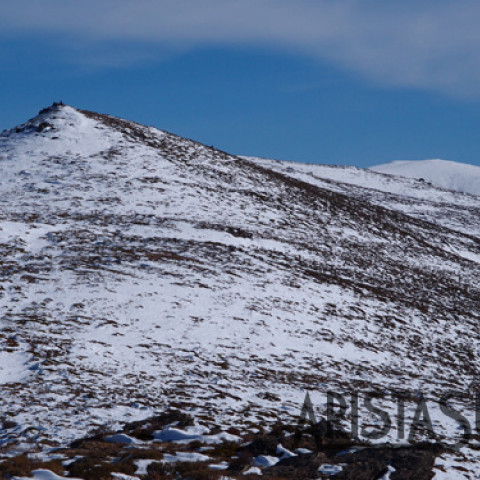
(457,176)
(141,270)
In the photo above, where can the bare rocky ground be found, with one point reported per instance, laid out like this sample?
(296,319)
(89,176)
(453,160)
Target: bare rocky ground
(137,448)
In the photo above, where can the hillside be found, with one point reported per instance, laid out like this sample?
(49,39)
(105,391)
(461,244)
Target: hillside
(143,271)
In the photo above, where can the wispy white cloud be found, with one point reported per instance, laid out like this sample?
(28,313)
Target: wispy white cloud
(429,44)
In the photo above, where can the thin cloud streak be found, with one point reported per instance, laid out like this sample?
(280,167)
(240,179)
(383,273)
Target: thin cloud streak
(428,45)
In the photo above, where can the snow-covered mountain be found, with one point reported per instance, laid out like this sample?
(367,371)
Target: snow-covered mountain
(141,270)
(457,176)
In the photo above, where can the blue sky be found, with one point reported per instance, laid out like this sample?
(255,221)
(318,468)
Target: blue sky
(344,82)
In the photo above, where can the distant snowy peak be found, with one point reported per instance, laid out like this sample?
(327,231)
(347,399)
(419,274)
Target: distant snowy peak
(457,176)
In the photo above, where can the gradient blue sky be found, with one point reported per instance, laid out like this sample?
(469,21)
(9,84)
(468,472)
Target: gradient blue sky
(344,82)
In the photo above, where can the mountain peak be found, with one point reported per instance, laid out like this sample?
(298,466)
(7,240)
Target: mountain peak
(48,119)
(55,106)
(462,177)
(57,130)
